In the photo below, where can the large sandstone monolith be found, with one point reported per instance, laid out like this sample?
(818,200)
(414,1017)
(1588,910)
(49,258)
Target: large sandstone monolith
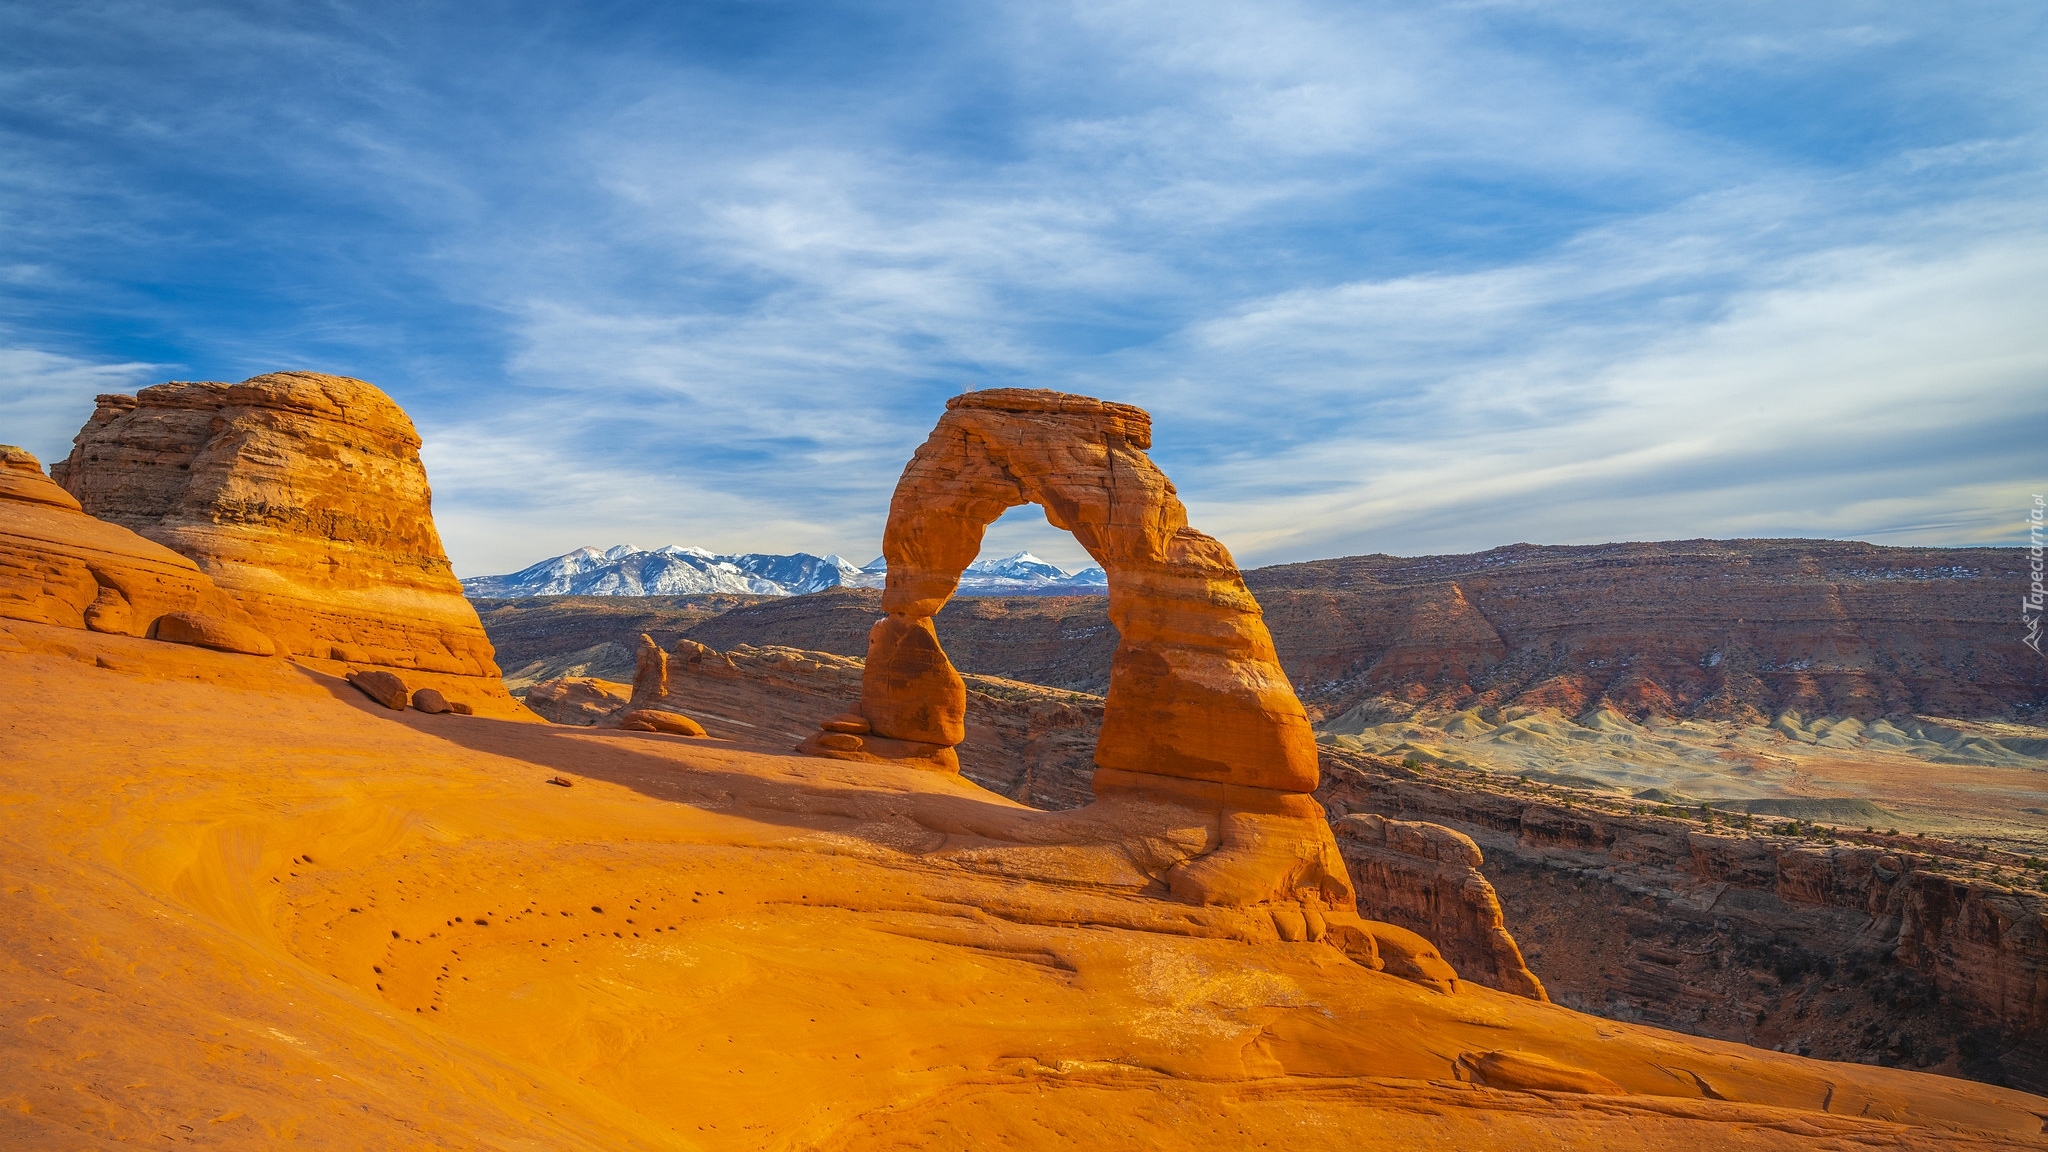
(303,497)
(61,567)
(1198,711)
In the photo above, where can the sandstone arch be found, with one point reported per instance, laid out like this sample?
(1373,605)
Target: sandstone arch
(1198,706)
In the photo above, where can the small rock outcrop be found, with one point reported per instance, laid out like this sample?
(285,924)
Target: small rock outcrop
(303,497)
(61,567)
(579,700)
(1426,877)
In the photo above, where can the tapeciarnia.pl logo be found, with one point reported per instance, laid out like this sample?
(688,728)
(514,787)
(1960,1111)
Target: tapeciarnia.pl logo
(2031,604)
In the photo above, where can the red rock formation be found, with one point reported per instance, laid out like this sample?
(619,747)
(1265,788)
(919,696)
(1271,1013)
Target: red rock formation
(1198,712)
(580,700)
(60,566)
(1196,692)
(303,497)
(1426,877)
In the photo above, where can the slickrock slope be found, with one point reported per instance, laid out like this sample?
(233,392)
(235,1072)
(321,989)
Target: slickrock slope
(59,566)
(303,497)
(264,910)
(1720,629)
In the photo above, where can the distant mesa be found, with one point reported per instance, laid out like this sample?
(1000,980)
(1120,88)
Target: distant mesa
(302,496)
(623,570)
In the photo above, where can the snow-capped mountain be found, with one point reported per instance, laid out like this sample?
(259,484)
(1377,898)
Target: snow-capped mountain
(624,570)
(1025,575)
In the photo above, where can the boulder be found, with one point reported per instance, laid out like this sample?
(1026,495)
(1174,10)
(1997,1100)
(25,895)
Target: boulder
(659,720)
(383,686)
(430,701)
(303,497)
(214,632)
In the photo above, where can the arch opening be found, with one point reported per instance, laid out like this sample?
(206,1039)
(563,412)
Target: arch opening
(1197,704)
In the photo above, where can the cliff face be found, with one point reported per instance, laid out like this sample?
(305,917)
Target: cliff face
(1057,641)
(1723,629)
(303,497)
(1426,878)
(1885,949)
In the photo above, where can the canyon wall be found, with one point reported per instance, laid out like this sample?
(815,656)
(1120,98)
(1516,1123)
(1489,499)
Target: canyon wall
(1723,629)
(1891,949)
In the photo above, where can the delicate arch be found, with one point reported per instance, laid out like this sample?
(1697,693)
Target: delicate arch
(1196,694)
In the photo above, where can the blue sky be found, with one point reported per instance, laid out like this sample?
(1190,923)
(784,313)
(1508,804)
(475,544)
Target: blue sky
(1402,277)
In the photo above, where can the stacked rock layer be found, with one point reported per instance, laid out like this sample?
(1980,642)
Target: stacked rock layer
(302,496)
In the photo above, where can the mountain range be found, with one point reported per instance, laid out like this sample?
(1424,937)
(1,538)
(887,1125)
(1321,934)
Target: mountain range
(623,570)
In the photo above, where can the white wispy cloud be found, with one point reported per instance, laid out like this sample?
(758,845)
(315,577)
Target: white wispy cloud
(45,398)
(1398,278)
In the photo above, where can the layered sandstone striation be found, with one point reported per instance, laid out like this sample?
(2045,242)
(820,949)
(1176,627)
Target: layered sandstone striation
(1198,710)
(1742,630)
(1426,877)
(1864,946)
(62,567)
(303,497)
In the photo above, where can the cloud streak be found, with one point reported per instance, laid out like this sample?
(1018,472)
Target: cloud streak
(1409,278)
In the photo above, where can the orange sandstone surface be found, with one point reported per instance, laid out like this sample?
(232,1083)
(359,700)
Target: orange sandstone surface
(246,905)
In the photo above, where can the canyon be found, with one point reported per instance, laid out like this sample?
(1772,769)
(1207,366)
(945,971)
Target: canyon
(1962,791)
(327,882)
